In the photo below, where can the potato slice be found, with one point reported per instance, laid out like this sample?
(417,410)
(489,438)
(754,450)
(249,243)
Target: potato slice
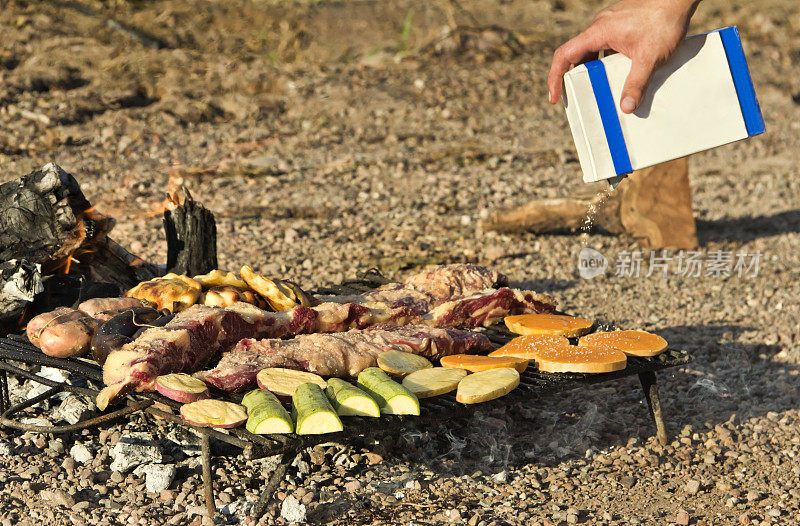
(181,387)
(301,297)
(279,296)
(475,363)
(576,359)
(172,292)
(284,382)
(635,343)
(220,278)
(527,347)
(214,413)
(227,295)
(401,363)
(487,385)
(568,326)
(433,381)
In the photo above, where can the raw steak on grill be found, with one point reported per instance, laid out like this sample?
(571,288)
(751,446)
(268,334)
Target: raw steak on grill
(342,354)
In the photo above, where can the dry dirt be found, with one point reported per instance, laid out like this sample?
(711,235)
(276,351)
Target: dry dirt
(328,137)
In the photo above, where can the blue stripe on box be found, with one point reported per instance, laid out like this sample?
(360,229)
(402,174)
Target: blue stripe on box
(609,117)
(753,120)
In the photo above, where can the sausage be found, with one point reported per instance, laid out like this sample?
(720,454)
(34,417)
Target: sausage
(119,330)
(95,306)
(45,320)
(63,339)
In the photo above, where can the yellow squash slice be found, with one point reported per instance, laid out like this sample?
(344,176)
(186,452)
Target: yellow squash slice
(433,381)
(487,385)
(401,363)
(284,382)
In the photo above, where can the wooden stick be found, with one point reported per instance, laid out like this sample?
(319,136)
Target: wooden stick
(654,205)
(208,486)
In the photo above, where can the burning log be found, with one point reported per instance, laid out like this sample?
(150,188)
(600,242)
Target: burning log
(107,260)
(43,220)
(55,249)
(48,221)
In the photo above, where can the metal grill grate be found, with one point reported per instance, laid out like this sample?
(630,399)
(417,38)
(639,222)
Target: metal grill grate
(533,384)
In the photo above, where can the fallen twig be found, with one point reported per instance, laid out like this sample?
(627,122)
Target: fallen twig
(140,36)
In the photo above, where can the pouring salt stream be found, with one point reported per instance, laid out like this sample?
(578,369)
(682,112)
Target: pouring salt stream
(591,214)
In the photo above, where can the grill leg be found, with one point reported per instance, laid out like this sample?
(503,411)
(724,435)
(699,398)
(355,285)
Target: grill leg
(208,487)
(5,402)
(274,481)
(650,386)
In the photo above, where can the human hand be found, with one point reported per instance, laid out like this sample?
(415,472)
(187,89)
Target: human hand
(646,31)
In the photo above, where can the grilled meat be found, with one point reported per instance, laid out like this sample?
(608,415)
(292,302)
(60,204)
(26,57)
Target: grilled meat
(341,354)
(199,334)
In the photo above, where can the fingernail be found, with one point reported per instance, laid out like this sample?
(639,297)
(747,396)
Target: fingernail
(628,105)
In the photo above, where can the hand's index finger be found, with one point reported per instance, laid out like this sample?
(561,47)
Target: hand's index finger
(575,51)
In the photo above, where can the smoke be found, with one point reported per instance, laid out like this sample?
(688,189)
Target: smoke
(480,443)
(718,389)
(491,435)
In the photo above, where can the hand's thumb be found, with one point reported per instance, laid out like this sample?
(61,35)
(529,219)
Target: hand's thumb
(635,84)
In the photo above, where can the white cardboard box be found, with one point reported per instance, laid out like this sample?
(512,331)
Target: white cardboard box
(702,98)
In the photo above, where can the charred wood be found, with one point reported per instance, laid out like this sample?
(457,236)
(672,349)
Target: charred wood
(43,218)
(191,238)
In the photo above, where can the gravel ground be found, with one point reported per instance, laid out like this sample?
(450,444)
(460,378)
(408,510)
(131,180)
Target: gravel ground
(326,139)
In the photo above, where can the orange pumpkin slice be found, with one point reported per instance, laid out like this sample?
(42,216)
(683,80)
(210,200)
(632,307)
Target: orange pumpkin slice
(527,347)
(574,359)
(635,343)
(474,363)
(558,324)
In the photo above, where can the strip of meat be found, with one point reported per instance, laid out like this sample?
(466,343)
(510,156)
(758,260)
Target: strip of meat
(488,307)
(429,288)
(340,355)
(450,281)
(338,317)
(190,340)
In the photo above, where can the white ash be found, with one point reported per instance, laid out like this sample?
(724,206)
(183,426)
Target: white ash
(36,421)
(73,409)
(185,439)
(135,449)
(33,389)
(54,374)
